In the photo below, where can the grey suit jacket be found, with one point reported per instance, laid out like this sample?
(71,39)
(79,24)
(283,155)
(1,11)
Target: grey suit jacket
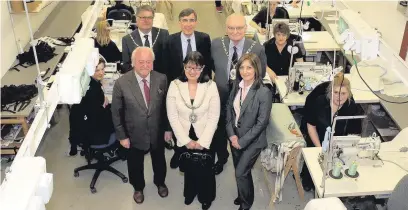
(221,61)
(253,118)
(128,46)
(132,119)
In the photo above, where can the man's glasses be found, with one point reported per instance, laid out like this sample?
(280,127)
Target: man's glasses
(198,69)
(239,28)
(146,17)
(188,20)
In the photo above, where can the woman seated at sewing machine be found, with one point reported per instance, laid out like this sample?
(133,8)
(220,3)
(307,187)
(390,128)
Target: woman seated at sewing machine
(336,101)
(275,12)
(278,49)
(107,48)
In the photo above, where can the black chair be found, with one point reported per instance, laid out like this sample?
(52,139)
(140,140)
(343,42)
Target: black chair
(119,14)
(105,155)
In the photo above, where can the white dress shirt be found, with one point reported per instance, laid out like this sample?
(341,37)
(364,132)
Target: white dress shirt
(184,43)
(240,99)
(207,113)
(143,38)
(141,85)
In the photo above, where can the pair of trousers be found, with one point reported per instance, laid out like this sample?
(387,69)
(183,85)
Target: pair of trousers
(199,180)
(135,162)
(217,3)
(220,141)
(244,160)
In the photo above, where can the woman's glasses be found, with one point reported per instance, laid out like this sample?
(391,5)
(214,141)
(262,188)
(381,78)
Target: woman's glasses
(189,68)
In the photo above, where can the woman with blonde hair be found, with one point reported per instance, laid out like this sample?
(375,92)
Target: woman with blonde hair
(336,101)
(107,48)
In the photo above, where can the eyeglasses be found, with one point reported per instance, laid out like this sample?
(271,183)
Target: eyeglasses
(199,69)
(146,17)
(188,20)
(239,28)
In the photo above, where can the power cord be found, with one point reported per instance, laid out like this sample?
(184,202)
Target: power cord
(393,102)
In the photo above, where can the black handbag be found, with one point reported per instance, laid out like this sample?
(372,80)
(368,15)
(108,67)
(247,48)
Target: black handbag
(196,157)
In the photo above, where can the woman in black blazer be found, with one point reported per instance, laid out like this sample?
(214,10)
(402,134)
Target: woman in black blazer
(248,110)
(91,120)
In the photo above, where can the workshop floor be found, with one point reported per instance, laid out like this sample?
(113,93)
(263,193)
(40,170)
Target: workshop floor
(73,193)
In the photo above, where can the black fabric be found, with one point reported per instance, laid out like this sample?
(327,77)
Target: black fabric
(91,123)
(121,12)
(199,178)
(44,53)
(320,117)
(220,141)
(260,18)
(218,3)
(279,62)
(110,52)
(135,162)
(16,98)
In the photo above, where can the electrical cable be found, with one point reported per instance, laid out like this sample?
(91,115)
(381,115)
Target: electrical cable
(381,98)
(389,161)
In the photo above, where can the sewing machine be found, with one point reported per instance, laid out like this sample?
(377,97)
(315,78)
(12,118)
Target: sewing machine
(347,149)
(305,76)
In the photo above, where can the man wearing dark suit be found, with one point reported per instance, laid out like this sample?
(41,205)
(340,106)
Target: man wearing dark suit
(140,120)
(176,48)
(145,35)
(226,52)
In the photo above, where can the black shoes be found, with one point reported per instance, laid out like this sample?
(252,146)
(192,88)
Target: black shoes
(206,206)
(237,201)
(73,151)
(175,161)
(240,208)
(218,168)
(188,201)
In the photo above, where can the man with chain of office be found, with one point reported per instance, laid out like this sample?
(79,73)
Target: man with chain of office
(226,52)
(145,35)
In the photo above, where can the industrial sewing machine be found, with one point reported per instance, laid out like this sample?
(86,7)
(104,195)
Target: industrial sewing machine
(340,152)
(305,76)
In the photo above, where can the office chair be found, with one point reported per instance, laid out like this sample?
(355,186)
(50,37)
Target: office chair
(398,198)
(103,161)
(119,14)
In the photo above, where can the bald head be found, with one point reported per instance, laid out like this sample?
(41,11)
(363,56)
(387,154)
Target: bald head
(236,27)
(235,18)
(142,61)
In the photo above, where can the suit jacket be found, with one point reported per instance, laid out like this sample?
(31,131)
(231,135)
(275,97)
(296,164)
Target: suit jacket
(91,123)
(221,62)
(207,113)
(174,54)
(253,117)
(132,119)
(128,46)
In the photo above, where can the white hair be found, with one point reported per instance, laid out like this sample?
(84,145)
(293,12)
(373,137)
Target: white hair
(141,49)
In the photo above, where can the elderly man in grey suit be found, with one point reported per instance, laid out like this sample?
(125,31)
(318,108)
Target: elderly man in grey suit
(145,35)
(226,52)
(140,120)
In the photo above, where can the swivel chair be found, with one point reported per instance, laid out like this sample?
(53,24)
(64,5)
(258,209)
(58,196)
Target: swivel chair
(103,161)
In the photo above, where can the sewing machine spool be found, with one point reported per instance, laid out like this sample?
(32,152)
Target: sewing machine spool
(352,171)
(335,173)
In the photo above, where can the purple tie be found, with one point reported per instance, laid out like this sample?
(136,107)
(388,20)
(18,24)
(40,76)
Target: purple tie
(146,92)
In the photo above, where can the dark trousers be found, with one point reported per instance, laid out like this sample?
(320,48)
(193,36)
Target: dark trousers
(220,142)
(217,3)
(199,181)
(135,162)
(244,160)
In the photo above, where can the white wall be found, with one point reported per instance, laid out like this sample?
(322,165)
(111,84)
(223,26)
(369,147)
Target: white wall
(9,49)
(384,16)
